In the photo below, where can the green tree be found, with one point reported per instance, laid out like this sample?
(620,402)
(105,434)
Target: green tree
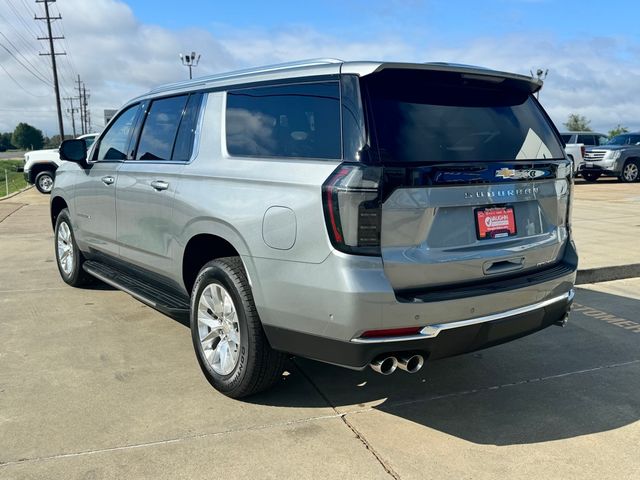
(577,123)
(27,137)
(54,141)
(617,131)
(5,140)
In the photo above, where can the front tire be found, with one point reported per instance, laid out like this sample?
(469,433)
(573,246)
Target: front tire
(230,345)
(630,171)
(590,176)
(68,257)
(44,182)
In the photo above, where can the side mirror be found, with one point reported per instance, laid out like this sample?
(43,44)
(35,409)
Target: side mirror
(74,150)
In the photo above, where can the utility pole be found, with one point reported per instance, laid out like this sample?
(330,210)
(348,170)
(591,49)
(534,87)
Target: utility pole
(82,122)
(72,111)
(48,18)
(87,112)
(190,60)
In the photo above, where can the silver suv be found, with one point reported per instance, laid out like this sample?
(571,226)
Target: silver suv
(357,213)
(620,157)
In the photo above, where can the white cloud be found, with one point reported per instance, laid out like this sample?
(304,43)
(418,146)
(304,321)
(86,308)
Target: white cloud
(119,56)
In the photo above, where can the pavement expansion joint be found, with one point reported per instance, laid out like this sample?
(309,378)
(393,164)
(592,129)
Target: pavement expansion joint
(506,385)
(343,416)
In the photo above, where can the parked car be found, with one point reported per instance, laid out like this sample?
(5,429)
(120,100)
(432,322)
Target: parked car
(40,165)
(575,152)
(588,139)
(288,212)
(620,157)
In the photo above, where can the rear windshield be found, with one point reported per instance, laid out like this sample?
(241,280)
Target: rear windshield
(443,117)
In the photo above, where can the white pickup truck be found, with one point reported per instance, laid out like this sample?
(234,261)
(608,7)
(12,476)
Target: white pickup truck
(575,151)
(40,165)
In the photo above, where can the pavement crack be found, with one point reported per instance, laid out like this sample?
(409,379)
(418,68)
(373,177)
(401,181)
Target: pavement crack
(20,206)
(343,416)
(167,441)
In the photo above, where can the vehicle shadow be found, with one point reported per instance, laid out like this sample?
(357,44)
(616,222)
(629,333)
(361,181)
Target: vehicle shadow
(556,384)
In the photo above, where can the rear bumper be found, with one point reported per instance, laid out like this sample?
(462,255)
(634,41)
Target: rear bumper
(436,341)
(317,310)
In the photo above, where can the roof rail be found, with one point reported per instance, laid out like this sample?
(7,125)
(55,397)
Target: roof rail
(249,71)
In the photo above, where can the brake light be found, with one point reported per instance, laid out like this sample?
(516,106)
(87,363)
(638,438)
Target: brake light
(583,150)
(351,201)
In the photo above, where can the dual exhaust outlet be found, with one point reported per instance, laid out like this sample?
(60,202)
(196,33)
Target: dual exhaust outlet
(386,365)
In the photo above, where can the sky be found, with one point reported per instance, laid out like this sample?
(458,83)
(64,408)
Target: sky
(123,48)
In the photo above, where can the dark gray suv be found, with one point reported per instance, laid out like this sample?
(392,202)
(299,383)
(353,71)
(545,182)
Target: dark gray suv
(357,213)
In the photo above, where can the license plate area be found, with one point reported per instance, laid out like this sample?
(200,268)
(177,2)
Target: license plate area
(495,222)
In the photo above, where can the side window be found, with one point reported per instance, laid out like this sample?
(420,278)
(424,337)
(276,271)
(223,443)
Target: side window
(602,140)
(586,139)
(301,120)
(114,143)
(566,138)
(634,139)
(187,130)
(160,128)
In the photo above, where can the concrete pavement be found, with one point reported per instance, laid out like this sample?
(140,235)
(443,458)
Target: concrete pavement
(93,384)
(606,221)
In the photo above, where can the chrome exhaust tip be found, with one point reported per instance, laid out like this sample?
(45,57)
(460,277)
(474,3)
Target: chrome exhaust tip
(384,365)
(410,363)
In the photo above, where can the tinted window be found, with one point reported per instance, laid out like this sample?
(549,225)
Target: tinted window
(115,142)
(566,138)
(586,139)
(300,120)
(634,139)
(186,132)
(160,127)
(444,117)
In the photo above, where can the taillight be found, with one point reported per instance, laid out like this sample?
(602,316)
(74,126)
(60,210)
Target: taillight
(351,200)
(582,150)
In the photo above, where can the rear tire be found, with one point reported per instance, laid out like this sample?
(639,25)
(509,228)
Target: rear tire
(590,176)
(68,257)
(230,344)
(630,171)
(44,182)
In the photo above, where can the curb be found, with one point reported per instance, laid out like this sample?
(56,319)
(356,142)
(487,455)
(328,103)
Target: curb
(607,274)
(6,197)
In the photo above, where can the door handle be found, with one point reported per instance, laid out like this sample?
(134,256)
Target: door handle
(108,180)
(159,185)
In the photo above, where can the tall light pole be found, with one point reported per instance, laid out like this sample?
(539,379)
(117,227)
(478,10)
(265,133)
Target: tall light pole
(541,75)
(190,60)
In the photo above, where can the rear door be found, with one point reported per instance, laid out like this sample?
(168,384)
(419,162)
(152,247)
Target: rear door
(475,179)
(147,183)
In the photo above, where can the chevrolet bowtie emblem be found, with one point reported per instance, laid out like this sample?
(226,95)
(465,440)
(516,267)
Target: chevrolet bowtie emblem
(506,173)
(511,173)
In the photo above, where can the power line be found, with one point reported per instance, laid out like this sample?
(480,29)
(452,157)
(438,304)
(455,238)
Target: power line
(19,85)
(53,54)
(25,58)
(25,66)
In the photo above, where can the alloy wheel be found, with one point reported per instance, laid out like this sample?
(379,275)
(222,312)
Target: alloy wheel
(218,329)
(630,172)
(65,248)
(46,183)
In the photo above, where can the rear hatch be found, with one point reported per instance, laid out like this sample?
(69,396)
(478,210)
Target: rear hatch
(475,184)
